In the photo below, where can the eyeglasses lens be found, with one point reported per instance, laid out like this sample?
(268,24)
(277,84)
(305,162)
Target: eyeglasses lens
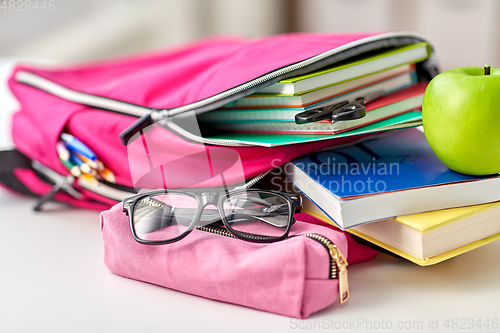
(164,217)
(257,213)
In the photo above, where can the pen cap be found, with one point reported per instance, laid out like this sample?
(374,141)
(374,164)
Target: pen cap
(77,146)
(62,151)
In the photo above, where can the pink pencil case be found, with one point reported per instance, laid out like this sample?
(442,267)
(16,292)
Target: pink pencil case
(294,277)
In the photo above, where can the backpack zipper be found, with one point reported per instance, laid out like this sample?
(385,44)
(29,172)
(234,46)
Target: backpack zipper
(149,116)
(105,189)
(338,264)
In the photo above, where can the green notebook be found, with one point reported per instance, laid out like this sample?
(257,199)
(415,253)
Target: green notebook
(334,75)
(409,119)
(386,80)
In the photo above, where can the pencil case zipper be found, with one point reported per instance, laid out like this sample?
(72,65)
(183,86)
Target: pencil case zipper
(338,264)
(148,116)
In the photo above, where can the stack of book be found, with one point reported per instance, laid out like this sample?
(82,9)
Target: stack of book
(394,192)
(390,75)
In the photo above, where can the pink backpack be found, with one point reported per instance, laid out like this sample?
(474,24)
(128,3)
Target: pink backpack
(110,104)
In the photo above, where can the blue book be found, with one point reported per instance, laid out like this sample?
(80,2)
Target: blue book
(397,174)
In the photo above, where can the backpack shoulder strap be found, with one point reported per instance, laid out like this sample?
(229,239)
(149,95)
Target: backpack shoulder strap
(9,161)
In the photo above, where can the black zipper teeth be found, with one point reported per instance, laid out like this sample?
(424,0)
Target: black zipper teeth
(256,179)
(224,232)
(318,238)
(216,230)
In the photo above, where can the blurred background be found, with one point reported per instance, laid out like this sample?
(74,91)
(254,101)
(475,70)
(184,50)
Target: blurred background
(463,32)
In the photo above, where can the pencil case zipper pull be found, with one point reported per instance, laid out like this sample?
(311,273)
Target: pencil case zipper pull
(338,264)
(341,272)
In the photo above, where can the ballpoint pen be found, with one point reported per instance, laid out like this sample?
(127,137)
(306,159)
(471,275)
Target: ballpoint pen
(62,151)
(84,167)
(72,167)
(77,146)
(341,111)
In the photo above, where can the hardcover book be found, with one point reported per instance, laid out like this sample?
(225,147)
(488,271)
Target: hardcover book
(431,237)
(390,176)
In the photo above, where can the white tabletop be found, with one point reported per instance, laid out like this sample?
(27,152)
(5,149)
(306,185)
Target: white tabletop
(53,279)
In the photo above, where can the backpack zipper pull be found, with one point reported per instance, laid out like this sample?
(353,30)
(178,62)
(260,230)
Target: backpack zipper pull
(61,182)
(137,127)
(341,272)
(60,185)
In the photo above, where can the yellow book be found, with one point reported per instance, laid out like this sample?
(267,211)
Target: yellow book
(431,237)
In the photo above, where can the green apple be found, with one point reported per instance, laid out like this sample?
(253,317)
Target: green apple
(461,118)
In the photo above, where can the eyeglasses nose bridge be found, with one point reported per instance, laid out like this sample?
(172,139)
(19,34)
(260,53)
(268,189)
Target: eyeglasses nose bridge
(209,198)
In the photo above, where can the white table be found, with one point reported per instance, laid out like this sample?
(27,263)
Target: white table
(53,279)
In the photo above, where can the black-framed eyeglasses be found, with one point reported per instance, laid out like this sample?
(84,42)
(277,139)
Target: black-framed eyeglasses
(166,216)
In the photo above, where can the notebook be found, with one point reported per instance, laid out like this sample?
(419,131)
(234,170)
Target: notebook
(383,108)
(431,237)
(353,69)
(405,120)
(316,96)
(383,178)
(216,117)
